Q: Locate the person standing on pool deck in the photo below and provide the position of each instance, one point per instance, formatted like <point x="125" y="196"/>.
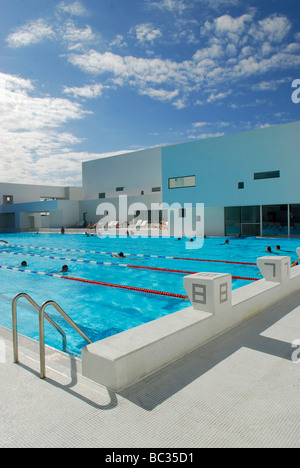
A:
<point x="62" y="230"/>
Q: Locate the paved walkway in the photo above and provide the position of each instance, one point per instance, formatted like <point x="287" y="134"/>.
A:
<point x="240" y="390"/>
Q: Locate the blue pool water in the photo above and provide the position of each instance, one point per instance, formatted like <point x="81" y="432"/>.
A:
<point x="102" y="311"/>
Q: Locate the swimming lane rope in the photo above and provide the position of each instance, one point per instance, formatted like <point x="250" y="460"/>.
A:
<point x="101" y="283"/>
<point x="132" y="255"/>
<point x="93" y="262"/>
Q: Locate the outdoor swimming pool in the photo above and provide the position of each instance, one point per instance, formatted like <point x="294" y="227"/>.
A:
<point x="102" y="310"/>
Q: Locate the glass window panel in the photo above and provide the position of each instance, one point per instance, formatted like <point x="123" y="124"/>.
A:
<point x="266" y="175"/>
<point x="295" y="220"/>
<point x="275" y="220"/>
<point x="233" y="220"/>
<point x="250" y="214"/>
<point x="182" y="182"/>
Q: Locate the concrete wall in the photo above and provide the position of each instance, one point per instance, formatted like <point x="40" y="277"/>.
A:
<point x="136" y="172"/>
<point x="28" y="215"/>
<point x="23" y="193"/>
<point x="214" y="222"/>
<point x="219" y="164"/>
<point x="90" y="206"/>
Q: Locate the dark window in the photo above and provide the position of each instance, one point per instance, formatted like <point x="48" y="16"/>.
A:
<point x="8" y="199"/>
<point x="142" y="192"/>
<point x="267" y="175"/>
<point x="232" y="220"/>
<point x="119" y="189"/>
<point x="101" y="195"/>
<point x="156" y="189"/>
<point x="275" y="220"/>
<point x="295" y="219"/>
<point x="241" y="185"/>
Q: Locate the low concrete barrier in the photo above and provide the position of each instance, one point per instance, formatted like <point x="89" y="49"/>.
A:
<point x="122" y="360"/>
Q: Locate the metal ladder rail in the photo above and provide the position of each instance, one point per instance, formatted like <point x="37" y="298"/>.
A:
<point x="42" y="315"/>
<point x="15" y="326"/>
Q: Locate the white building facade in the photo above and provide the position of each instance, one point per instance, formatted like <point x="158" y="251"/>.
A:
<point x="248" y="183"/>
<point x="32" y="207"/>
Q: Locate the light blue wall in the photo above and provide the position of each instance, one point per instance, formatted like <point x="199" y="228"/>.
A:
<point x="220" y="163"/>
<point x="33" y="207"/>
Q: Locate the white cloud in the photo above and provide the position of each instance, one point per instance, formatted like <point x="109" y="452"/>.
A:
<point x="74" y="9"/>
<point x="216" y="4"/>
<point x="170" y="5"/>
<point x="34" y="146"/>
<point x="271" y="85"/>
<point x="88" y="91"/>
<point x="31" y="33"/>
<point x="146" y="32"/>
<point x="274" y="28"/>
<point x="73" y="34"/>
<point x="200" y="124"/>
<point x="160" y="94"/>
<point x="218" y="96"/>
<point x="233" y="52"/>
<point x="226" y="24"/>
<point x="119" y="41"/>
<point x="203" y="136"/>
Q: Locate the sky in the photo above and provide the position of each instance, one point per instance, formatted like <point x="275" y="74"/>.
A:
<point x="85" y="79"/>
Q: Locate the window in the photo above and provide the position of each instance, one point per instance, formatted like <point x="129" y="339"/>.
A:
<point x="120" y="189"/>
<point x="182" y="182"/>
<point x="8" y="199"/>
<point x="232" y="220"/>
<point x="101" y="195"/>
<point x="142" y="192"/>
<point x="266" y="175"/>
<point x="275" y="220"/>
<point x="295" y="220"/>
<point x="241" y="185"/>
<point x="156" y="189"/>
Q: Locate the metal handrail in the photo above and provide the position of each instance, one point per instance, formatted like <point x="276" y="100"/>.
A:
<point x="15" y="327"/>
<point x="43" y="314"/>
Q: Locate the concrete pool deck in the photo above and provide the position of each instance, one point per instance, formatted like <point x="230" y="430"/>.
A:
<point x="239" y="390"/>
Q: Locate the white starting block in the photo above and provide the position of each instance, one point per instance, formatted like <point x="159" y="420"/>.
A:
<point x="275" y="269"/>
<point x="209" y="292"/>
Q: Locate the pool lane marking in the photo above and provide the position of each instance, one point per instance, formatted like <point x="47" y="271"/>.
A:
<point x="99" y="283"/>
<point x="132" y="255"/>
<point x="93" y="262"/>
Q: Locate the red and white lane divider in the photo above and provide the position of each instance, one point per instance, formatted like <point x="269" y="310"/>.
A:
<point x="100" y="283"/>
<point x="93" y="262"/>
<point x="131" y="254"/>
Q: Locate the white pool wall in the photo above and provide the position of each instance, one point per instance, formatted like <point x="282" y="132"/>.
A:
<point x="122" y="360"/>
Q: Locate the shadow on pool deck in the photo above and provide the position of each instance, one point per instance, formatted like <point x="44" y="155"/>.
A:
<point x="163" y="384"/>
<point x="168" y="381"/>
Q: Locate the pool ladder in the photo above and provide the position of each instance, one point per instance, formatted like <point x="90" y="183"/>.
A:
<point x="42" y="316"/>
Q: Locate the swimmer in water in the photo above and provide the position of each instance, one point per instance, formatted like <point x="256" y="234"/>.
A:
<point x="119" y="255"/>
